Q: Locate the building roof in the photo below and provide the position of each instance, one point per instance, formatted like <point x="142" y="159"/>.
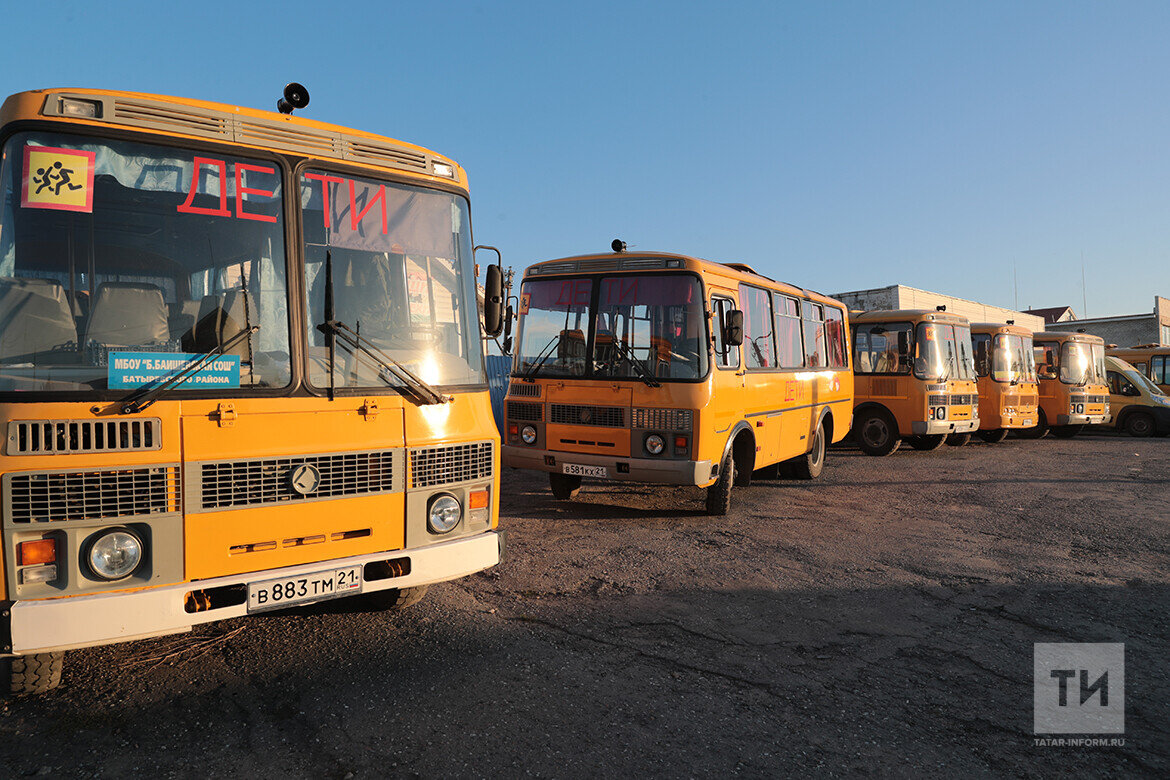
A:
<point x="1053" y="314"/>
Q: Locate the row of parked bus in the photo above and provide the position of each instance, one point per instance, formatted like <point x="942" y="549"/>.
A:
<point x="669" y="369"/>
<point x="242" y="369"/>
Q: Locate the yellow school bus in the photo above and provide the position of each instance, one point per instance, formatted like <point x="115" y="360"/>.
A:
<point x="241" y="368"/>
<point x="663" y="368"/>
<point x="914" y="379"/>
<point x="1152" y="360"/>
<point x="1006" y="369"/>
<point x="1070" y="368"/>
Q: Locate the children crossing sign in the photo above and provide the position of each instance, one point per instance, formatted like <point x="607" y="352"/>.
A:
<point x="60" y="179"/>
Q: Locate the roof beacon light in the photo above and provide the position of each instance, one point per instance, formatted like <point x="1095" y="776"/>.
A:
<point x="295" y="96"/>
<point x="618" y="245"/>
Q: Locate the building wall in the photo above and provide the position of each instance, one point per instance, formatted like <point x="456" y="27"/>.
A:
<point x="1129" y="330"/>
<point x="900" y="296"/>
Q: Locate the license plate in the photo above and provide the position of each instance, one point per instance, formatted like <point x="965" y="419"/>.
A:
<point x="1028" y="423"/>
<point x="584" y="471"/>
<point x="288" y="591"/>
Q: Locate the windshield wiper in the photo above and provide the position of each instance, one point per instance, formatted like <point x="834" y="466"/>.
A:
<point x="628" y="353"/>
<point x="544" y="354"/>
<point x="142" y="398"/>
<point x="422" y="391"/>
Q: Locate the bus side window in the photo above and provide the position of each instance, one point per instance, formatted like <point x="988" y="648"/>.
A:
<point x="813" y="315"/>
<point x="788" y="338"/>
<point x="835" y="337"/>
<point x="1158" y="372"/>
<point x="982" y="353"/>
<point x="758" y="343"/>
<point x="726" y="355"/>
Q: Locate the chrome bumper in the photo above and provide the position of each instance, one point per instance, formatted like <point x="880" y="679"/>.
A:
<point x="931" y="427"/>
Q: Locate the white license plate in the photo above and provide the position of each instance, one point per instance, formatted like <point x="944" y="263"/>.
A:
<point x="584" y="471"/>
<point x="288" y="591"/>
<point x="1028" y="423"/>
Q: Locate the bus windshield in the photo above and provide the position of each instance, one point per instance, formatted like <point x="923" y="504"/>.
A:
<point x="1012" y="359"/>
<point x="122" y="262"/>
<point x="402" y="279"/>
<point x="1082" y="363"/>
<point x="620" y="327"/>
<point x="943" y="352"/>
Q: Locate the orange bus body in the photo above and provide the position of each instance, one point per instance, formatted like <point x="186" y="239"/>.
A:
<point x="1073" y="390"/>
<point x="1008" y="391"/>
<point x="1153" y="361"/>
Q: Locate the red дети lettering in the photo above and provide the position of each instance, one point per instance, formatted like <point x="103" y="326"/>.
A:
<point x="325" y="182"/>
<point x="241" y="190"/>
<point x="222" y="211"/>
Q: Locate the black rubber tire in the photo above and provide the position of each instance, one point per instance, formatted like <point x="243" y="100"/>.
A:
<point x="958" y="439"/>
<point x="394" y="598"/>
<point x="37" y="673"/>
<point x="719" y="494"/>
<point x="812" y="463"/>
<point x="1066" y="431"/>
<point x="927" y="442"/>
<point x="1037" y="431"/>
<point x="876" y="432"/>
<point x="993" y="436"/>
<point x="565" y="487"/>
<point x="1139" y="424"/>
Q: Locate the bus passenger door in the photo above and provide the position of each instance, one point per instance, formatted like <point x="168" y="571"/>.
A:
<point x="727" y="377"/>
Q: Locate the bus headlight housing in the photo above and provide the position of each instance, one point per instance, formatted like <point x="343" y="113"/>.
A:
<point x="114" y="555"/>
<point x="444" y="513"/>
<point x="654" y="444"/>
<point x="528" y="435"/>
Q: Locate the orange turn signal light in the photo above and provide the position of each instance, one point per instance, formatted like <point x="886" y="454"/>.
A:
<point x="479" y="499"/>
<point x="39" y="551"/>
<point x="680" y="442"/>
<point x="514" y="429"/>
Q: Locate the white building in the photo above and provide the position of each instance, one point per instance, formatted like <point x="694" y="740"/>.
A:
<point x="899" y="296"/>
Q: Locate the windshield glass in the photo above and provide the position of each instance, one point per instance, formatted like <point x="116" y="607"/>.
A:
<point x="643" y="326"/>
<point x="1141" y="379"/>
<point x="937" y="356"/>
<point x="1012" y="359"/>
<point x="1082" y="363"/>
<point x="402" y="279"/>
<point x="121" y="262"/>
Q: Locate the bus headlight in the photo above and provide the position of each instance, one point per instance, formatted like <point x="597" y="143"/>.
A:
<point x="115" y="554"/>
<point x="444" y="513"/>
<point x="654" y="444"/>
<point x="528" y="435"/>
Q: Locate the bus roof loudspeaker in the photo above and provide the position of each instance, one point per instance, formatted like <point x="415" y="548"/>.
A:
<point x="295" y="96"/>
<point x="941" y="307"/>
<point x="618" y="245"/>
<point x="1011" y="322"/>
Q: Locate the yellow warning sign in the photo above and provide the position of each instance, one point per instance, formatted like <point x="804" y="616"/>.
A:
<point x="59" y="179"/>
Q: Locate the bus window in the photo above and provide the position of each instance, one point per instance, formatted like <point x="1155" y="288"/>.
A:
<point x="726" y="356"/>
<point x="759" y="346"/>
<point x="1160" y="370"/>
<point x="788" y="339"/>
<point x="813" y="316"/>
<point x="553" y="310"/>
<point x="835" y="337"/>
<point x="656" y="321"/>
<point x="983" y="361"/>
<point x="882" y="348"/>
<point x="965" y="362"/>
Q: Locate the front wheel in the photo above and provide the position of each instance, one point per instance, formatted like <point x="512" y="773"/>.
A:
<point x="958" y="439"/>
<point x="1139" y="424"/>
<point x="1066" y="431"/>
<point x="877" y="433"/>
<point x="927" y="442"/>
<point x="565" y="487"/>
<point x="719" y="494"/>
<point x="812" y="463"/>
<point x="994" y="436"/>
<point x="37" y="673"/>
<point x="1037" y="431"/>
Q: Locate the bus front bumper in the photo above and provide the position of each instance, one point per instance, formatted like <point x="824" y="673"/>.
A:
<point x="653" y="470"/>
<point x="932" y="427"/>
<point x="1081" y="419"/>
<point x="65" y="623"/>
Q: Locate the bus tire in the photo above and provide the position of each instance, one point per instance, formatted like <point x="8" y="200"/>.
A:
<point x="37" y="673"/>
<point x="812" y="463"/>
<point x="394" y="598"/>
<point x="1139" y="424"/>
<point x="877" y="433"/>
<point x="958" y="439"/>
<point x="565" y="487"/>
<point x="994" y="436"/>
<point x="719" y="494"/>
<point x="1066" y="431"/>
<point x="927" y="442"/>
<point x="1037" y="431"/>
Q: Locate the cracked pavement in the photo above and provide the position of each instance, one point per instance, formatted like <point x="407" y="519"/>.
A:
<point x="879" y="620"/>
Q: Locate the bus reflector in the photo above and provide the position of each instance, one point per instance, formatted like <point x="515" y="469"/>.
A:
<point x="39" y="551"/>
<point x="479" y="499"/>
<point x="680" y="442"/>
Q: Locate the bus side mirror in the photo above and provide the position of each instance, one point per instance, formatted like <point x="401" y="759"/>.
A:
<point x="493" y="301"/>
<point x="509" y="315"/>
<point x="733" y="329"/>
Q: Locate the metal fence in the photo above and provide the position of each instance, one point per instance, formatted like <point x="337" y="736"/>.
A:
<point x="498" y="368"/>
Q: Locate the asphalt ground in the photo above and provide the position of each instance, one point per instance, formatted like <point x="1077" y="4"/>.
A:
<point x="877" y="621"/>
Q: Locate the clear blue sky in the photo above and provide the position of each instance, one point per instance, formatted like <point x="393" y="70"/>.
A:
<point x="837" y="145"/>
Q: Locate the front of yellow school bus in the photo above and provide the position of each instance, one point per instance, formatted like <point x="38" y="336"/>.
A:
<point x="240" y="368"/>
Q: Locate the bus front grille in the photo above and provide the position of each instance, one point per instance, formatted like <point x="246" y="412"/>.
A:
<point x="963" y="400"/>
<point x="524" y="390"/>
<point x="574" y="414"/>
<point x="237" y="483"/>
<point x="1088" y="399"/>
<point x="448" y="465"/>
<point x="525" y="412"/>
<point x="60" y="437"/>
<point x="97" y="494"/>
